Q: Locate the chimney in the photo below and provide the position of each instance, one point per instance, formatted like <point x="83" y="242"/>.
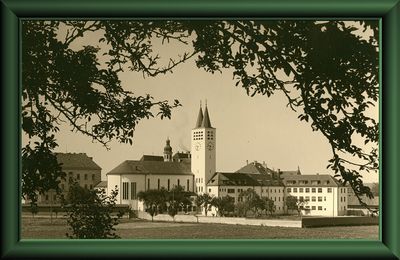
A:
<point x="247" y="162"/>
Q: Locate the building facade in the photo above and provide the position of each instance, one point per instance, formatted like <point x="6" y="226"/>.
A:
<point x="322" y="194"/>
<point x="150" y="173"/>
<point x="78" y="167"/>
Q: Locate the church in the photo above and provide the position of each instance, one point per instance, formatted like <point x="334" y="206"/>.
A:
<point x="195" y="171"/>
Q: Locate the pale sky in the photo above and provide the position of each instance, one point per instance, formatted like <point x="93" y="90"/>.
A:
<point x="248" y="128"/>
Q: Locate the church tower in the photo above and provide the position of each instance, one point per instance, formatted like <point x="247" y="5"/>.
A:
<point x="167" y="151"/>
<point x="203" y="150"/>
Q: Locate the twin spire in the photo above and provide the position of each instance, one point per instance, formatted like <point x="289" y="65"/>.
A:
<point x="203" y="120"/>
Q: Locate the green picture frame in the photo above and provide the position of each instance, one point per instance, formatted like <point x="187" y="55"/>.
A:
<point x="388" y="11"/>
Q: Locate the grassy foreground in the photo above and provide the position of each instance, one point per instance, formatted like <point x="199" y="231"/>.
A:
<point x="141" y="229"/>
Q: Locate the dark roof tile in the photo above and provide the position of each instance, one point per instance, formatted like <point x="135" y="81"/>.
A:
<point x="76" y="161"/>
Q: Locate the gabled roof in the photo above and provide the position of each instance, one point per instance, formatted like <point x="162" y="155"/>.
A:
<point x="266" y="180"/>
<point x="152" y="158"/>
<point x="255" y="168"/>
<point x="320" y="180"/>
<point x="181" y="155"/>
<point x="76" y="161"/>
<point x="284" y="174"/>
<point x="231" y="179"/>
<point x="152" y="167"/>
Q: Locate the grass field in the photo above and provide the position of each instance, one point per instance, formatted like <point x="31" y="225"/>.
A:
<point x="140" y="229"/>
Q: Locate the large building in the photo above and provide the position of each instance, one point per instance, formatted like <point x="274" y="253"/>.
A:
<point x="150" y="172"/>
<point x="79" y="168"/>
<point x="196" y="172"/>
<point x="322" y="194"/>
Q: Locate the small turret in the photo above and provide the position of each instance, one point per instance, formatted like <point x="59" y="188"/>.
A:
<point x="167" y="151"/>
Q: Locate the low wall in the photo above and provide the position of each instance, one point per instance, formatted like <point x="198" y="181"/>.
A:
<point x="339" y="221"/>
<point x="222" y="220"/>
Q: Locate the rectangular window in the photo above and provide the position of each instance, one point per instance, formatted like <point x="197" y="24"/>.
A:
<point x="148" y="184"/>
<point x="179" y="182"/>
<point x="125" y="190"/>
<point x="231" y="190"/>
<point x="209" y="190"/>
<point x="324" y="198"/>
<point x="301" y="190"/>
<point x="307" y="198"/>
<point x="319" y="190"/>
<point x="344" y="199"/>
<point x="93" y="177"/>
<point x="319" y="207"/>
<point x="313" y="198"/>
<point x="319" y="198"/>
<point x="91" y="186"/>
<point x="340" y="199"/>
<point x="329" y="190"/>
<point x="187" y="184"/>
<point x="294" y="189"/>
<point x="289" y="189"/>
<point x="313" y="207"/>
<point x="78" y="176"/>
<point x="85" y="176"/>
<point x="133" y="190"/>
<point x="313" y="190"/>
<point x="307" y="189"/>
<point x="168" y="184"/>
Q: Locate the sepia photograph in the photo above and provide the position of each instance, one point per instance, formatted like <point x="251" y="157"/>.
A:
<point x="200" y="129"/>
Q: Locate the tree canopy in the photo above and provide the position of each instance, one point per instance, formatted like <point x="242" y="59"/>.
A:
<point x="327" y="70"/>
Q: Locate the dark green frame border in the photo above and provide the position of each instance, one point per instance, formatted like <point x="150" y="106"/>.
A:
<point x="386" y="10"/>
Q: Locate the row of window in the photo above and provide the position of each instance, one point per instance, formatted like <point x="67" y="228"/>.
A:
<point x="199" y="180"/>
<point x="85" y="176"/>
<point x="313" y="190"/>
<point x="304" y="182"/>
<point x="178" y="183"/>
<point x="240" y="190"/>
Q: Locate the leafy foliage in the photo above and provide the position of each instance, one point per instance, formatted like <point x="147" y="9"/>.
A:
<point x="63" y="85"/>
<point x="204" y="200"/>
<point x="252" y="201"/>
<point x="89" y="213"/>
<point x="157" y="201"/>
<point x="177" y="198"/>
<point x="223" y="205"/>
<point x="269" y="205"/>
<point x="154" y="200"/>
<point x="293" y="203"/>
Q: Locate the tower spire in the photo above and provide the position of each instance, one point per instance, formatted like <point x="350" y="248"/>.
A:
<point x="206" y="119"/>
<point x="199" y="117"/>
